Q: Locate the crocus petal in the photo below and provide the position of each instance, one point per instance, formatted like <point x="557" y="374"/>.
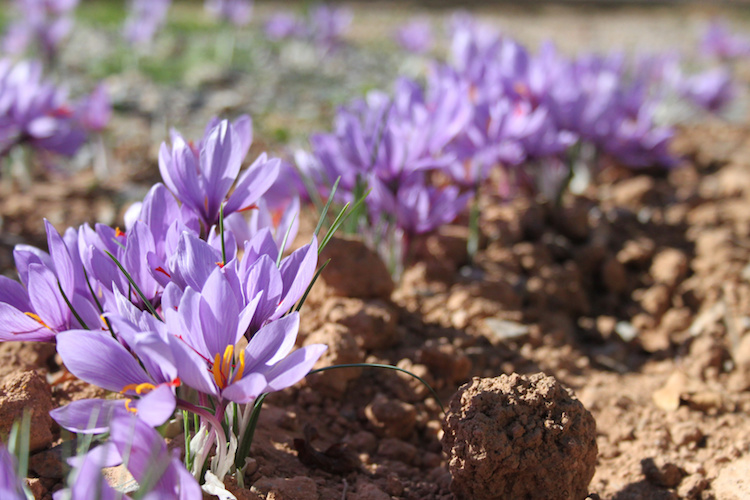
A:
<point x="15" y="325"/>
<point x="251" y="185"/>
<point x="45" y="297"/>
<point x="246" y="389"/>
<point x="272" y="342"/>
<point x="294" y="367"/>
<point x="220" y="162"/>
<point x="14" y="294"/>
<point x="297" y="271"/>
<point x="88" y="416"/>
<point x="156" y="407"/>
<point x="218" y="313"/>
<point x="61" y="258"/>
<point x="192" y="369"/>
<point x="99" y="359"/>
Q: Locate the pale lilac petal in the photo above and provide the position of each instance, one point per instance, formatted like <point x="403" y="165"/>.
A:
<point x="156" y="407"/>
<point x="61" y="258"/>
<point x="251" y="185"/>
<point x="246" y="389"/>
<point x="24" y="256"/>
<point x="14" y="294"/>
<point x="192" y="369"/>
<point x="218" y="313"/>
<point x="220" y="162"/>
<point x="15" y="325"/>
<point x="272" y="342"/>
<point x="44" y="295"/>
<point x="294" y="367"/>
<point x="98" y="359"/>
<point x="297" y="272"/>
<point x="88" y="416"/>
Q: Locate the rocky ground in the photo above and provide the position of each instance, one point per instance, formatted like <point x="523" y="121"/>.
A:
<point x="635" y="294"/>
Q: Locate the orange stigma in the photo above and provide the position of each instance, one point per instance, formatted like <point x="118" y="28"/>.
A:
<point x="37" y="319"/>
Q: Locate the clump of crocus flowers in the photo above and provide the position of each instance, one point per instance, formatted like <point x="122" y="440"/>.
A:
<point x="537" y="119"/>
<point x="36" y="113"/>
<point x="190" y="306"/>
<point x="323" y="25"/>
<point x="41" y="25"/>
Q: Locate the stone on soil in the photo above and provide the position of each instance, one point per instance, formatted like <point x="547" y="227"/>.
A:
<point x="517" y="436"/>
<point x="27" y="390"/>
<point x="355" y="271"/>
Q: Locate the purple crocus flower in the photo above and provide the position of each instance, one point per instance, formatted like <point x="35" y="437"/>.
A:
<point x="201" y="176"/>
<point x="37" y="308"/>
<point x="11" y="486"/>
<point x="415" y="36"/>
<point x="720" y="43"/>
<point x="145" y="18"/>
<point x="207" y="325"/>
<point x="712" y="90"/>
<point x="44" y="22"/>
<point x="237" y="12"/>
<point x="35" y="111"/>
<point x="158" y="472"/>
<point x="416" y="207"/>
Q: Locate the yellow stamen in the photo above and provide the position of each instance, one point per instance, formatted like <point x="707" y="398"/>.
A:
<point x="37" y="319"/>
<point x="140" y="388"/>
<point x="240" y="369"/>
<point x="226" y="364"/>
<point x="127" y="406"/>
<point x="216" y="369"/>
<point x="129" y="387"/>
<point x="119" y="232"/>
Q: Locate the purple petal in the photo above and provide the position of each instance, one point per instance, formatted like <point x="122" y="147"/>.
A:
<point x="14" y="294"/>
<point x="218" y="313"/>
<point x="15" y="325"/>
<point x="246" y="389"/>
<point x="272" y="342"/>
<point x="220" y="162"/>
<point x="297" y="271"/>
<point x="294" y="367"/>
<point x="98" y="359"/>
<point x="192" y="369"/>
<point x="156" y="407"/>
<point x="44" y="295"/>
<point x="88" y="416"/>
<point x="251" y="185"/>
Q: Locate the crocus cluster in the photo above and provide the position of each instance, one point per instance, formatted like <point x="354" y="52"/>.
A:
<point x="237" y="12"/>
<point x="719" y="42"/>
<point x="37" y="113"/>
<point x="191" y="297"/>
<point x="323" y="25"/>
<point x="43" y="24"/>
<point x="145" y="18"/>
<point x="496" y="106"/>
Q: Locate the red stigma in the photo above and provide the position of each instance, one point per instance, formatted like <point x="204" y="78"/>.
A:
<point x="161" y="270"/>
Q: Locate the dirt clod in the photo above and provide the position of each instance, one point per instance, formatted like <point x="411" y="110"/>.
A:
<point x="519" y="437"/>
<point x="27" y="391"/>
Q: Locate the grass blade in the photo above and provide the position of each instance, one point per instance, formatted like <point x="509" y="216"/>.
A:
<point x="146" y="302"/>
